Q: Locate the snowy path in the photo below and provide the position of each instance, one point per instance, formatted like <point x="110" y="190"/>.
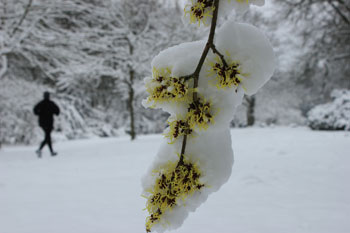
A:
<point x="284" y="181"/>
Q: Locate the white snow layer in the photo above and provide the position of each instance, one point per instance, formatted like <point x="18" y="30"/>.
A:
<point x="211" y="148"/>
<point x="297" y="185"/>
<point x="239" y="6"/>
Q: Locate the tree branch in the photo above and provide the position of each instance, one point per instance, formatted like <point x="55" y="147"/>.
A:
<point x="23" y="17"/>
<point x="339" y="12"/>
<point x="344" y="4"/>
<point x="195" y="75"/>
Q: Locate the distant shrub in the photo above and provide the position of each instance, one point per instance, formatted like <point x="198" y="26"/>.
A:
<point x="332" y="116"/>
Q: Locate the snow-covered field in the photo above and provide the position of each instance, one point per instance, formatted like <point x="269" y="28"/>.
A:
<point x="285" y="180"/>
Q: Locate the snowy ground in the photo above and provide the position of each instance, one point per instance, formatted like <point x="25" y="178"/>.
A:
<point x="285" y="180"/>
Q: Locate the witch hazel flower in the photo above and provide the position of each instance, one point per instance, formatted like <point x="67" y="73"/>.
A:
<point x="174" y="183"/>
<point x="200" y="12"/>
<point x="199" y="117"/>
<point x="249" y="58"/>
<point x="177" y="128"/>
<point x="173" y="64"/>
<point x="228" y="73"/>
<point x="197" y="11"/>
<point x="200" y="114"/>
<point x="164" y="87"/>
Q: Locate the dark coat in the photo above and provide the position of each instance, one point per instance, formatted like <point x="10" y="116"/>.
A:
<point x="45" y="109"/>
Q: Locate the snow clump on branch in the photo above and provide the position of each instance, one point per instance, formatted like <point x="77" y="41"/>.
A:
<point x="196" y="156"/>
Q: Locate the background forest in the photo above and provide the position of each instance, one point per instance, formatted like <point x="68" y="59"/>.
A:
<point x="93" y="55"/>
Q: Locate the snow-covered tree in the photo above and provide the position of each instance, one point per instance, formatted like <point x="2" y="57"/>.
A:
<point x="92" y="53"/>
<point x="334" y="115"/>
<point x="14" y="28"/>
<point x="322" y="27"/>
<point x="145" y="33"/>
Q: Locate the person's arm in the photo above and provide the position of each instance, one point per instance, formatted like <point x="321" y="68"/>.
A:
<point x="36" y="109"/>
<point x="56" y="109"/>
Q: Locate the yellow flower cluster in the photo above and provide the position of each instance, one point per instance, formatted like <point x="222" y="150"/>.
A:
<point x="228" y="75"/>
<point x="178" y="128"/>
<point x="200" y="10"/>
<point x="200" y="114"/>
<point x="175" y="182"/>
<point x="165" y="87"/>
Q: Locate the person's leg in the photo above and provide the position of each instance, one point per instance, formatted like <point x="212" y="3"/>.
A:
<point x="49" y="142"/>
<point x="42" y="144"/>
<point x="48" y="138"/>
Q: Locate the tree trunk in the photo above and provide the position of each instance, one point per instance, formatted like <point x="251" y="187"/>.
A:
<point x="250" y="110"/>
<point x="131" y="106"/>
<point x="130" y="83"/>
<point x="3" y="65"/>
<point x="178" y="7"/>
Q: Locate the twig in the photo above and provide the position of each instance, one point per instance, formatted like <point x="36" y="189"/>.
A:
<point x="219" y="54"/>
<point x="23" y="17"/>
<point x="346" y="20"/>
<point x="195" y="75"/>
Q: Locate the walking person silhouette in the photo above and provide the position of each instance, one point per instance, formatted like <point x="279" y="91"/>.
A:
<point x="45" y="110"/>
